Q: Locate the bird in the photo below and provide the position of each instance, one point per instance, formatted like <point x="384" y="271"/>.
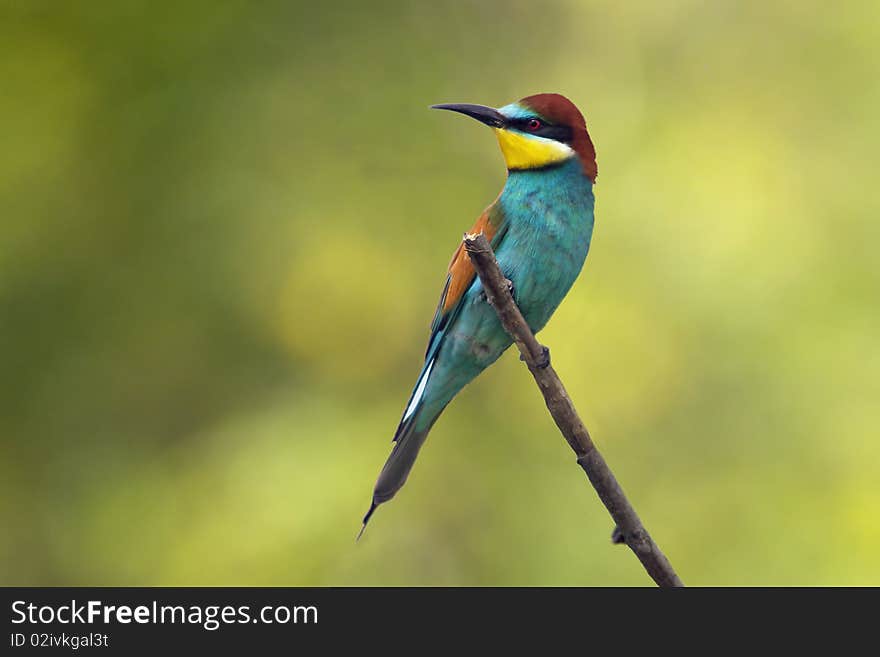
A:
<point x="540" y="227"/>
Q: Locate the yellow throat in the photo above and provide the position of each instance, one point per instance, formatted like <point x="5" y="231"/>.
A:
<point x="527" y="152"/>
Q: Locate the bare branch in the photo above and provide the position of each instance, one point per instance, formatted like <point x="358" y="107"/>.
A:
<point x="629" y="527"/>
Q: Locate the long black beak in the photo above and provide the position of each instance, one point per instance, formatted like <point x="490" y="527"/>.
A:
<point x="489" y="116"/>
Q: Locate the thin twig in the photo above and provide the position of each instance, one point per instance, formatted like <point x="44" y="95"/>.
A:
<point x="629" y="527"/>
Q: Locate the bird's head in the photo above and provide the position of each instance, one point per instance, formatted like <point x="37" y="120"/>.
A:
<point x="536" y="132"/>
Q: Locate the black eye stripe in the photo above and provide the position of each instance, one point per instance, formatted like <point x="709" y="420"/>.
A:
<point x="556" y="132"/>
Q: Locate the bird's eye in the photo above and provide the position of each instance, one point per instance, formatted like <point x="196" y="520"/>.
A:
<point x="533" y="124"/>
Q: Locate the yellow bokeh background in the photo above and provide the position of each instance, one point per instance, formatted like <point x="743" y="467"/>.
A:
<point x="223" y="232"/>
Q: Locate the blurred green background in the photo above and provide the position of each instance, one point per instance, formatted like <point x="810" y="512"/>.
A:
<point x="223" y="232"/>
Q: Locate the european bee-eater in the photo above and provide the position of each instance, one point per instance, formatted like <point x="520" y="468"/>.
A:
<point x="539" y="227"/>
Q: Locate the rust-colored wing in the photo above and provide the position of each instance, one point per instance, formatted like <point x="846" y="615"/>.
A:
<point x="461" y="272"/>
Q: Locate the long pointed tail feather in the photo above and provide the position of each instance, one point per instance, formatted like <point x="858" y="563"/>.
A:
<point x="373" y="507"/>
<point x="407" y="444"/>
<point x="408" y="440"/>
<point x="422" y="410"/>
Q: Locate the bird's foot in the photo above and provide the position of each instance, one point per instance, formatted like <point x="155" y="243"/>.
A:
<point x="510" y="288"/>
<point x="617" y="536"/>
<point x="544" y="361"/>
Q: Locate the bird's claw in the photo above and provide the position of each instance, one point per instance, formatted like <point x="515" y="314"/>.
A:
<point x="543" y="362"/>
<point x="510" y="288"/>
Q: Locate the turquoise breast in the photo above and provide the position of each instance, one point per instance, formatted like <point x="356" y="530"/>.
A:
<point x="550" y="224"/>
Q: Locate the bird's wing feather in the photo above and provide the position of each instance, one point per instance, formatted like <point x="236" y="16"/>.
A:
<point x="459" y="277"/>
<point x="411" y="432"/>
<point x="461" y="272"/>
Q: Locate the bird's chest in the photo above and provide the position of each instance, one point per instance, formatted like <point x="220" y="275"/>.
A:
<point x="548" y="238"/>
